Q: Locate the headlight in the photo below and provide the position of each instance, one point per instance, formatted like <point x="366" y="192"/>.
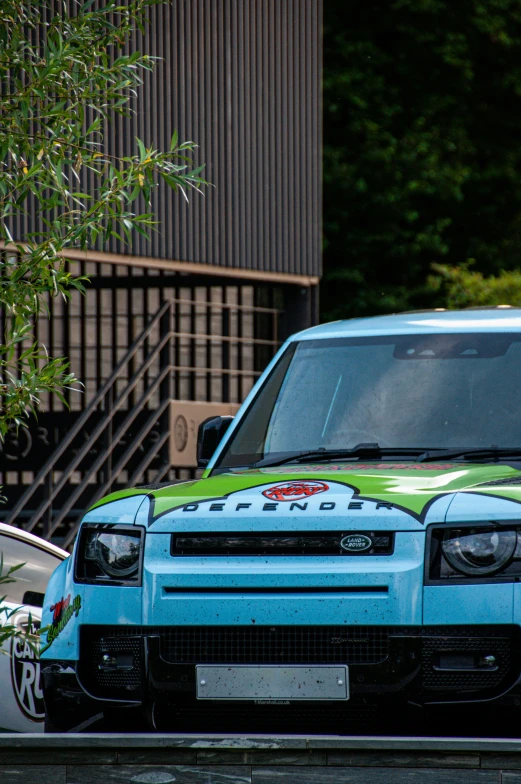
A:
<point x="109" y="553"/>
<point x="117" y="554"/>
<point x="475" y="552"/>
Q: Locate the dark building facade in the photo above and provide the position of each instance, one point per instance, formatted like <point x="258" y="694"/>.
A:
<point x="178" y="327"/>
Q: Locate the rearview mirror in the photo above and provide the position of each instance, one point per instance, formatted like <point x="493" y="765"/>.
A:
<point x="208" y="437"/>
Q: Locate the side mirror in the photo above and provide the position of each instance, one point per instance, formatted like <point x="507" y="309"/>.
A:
<point x="33" y="598"/>
<point x="208" y="437"/>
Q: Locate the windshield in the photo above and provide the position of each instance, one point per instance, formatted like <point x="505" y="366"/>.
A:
<point x="417" y="391"/>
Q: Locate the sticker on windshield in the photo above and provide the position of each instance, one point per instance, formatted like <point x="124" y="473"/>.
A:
<point x="294" y="491"/>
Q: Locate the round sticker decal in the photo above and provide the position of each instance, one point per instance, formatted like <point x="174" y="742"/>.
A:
<point x="25" y="675"/>
<point x="294" y="491"/>
<point x="180" y="433"/>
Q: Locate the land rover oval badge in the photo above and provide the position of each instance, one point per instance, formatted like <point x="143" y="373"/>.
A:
<point x="355" y="543"/>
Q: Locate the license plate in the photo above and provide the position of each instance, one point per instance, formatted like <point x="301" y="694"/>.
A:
<point x="251" y="682"/>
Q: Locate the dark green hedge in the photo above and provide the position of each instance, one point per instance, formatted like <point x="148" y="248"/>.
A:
<point x="422" y="160"/>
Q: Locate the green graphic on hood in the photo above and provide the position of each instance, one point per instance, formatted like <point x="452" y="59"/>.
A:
<point x="409" y="486"/>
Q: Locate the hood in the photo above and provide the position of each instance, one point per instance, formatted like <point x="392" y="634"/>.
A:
<point x="396" y="496"/>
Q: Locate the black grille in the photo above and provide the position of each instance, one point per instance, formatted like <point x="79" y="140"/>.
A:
<point x="435" y="678"/>
<point x="282" y="543"/>
<point x="267" y="645"/>
<point x="263" y="644"/>
<point x="352" y="645"/>
<point x="118" y="678"/>
<point x="116" y="682"/>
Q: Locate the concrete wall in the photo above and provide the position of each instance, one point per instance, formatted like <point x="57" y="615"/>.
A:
<point x="165" y="759"/>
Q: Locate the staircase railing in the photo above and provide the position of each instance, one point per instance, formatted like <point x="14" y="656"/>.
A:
<point x="168" y="354"/>
<point x="111" y="402"/>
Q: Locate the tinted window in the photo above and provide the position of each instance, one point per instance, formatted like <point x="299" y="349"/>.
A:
<point x="428" y="391"/>
<point x="39" y="565"/>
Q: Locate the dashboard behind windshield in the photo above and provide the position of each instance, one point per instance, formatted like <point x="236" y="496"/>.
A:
<point x="406" y="391"/>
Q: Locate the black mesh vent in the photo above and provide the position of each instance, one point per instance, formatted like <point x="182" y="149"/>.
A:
<point x="122" y="678"/>
<point x="114" y="682"/>
<point x="263" y="644"/>
<point x="268" y="645"/>
<point x="438" y="679"/>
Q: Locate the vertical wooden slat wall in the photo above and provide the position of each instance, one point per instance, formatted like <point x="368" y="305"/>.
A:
<point x="242" y="79"/>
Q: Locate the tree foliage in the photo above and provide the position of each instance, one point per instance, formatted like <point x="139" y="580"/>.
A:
<point x="65" y="72"/>
<point x="463" y="287"/>
<point x="422" y="159"/>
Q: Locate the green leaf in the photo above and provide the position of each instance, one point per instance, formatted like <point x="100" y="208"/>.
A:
<point x="142" y="150"/>
<point x="66" y="72"/>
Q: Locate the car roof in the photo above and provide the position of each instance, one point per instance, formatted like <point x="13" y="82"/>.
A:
<point x="502" y="318"/>
<point x="37" y="541"/>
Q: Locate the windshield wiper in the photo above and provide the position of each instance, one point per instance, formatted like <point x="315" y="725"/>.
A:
<point x="476" y="451"/>
<point x="369" y="451"/>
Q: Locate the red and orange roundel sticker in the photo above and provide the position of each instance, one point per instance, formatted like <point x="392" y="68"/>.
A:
<point x="294" y="491"/>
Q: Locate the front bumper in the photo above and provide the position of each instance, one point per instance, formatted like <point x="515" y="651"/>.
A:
<point x="155" y="666"/>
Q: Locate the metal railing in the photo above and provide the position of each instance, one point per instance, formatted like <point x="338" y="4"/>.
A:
<point x="136" y="394"/>
<point x="109" y="402"/>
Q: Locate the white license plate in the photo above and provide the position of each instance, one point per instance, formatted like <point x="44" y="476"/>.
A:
<point x="272" y="682"/>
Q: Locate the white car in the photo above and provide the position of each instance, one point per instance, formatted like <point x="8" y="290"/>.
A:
<point x="21" y="698"/>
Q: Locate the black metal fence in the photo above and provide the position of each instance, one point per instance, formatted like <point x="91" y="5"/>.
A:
<point x="137" y="341"/>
